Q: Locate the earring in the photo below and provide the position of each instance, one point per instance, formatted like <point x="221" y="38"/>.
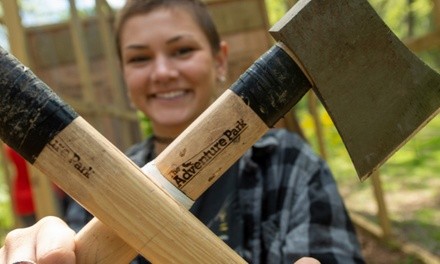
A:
<point x="221" y="79"/>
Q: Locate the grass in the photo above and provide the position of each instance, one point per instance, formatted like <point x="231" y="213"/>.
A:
<point x="6" y="217"/>
<point x="409" y="179"/>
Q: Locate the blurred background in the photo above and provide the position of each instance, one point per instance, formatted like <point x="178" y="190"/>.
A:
<point x="69" y="45"/>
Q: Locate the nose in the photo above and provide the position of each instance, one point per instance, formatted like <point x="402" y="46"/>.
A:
<point x="164" y="70"/>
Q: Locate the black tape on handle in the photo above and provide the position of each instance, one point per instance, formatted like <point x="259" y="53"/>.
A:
<point x="272" y="85"/>
<point x="31" y="114"/>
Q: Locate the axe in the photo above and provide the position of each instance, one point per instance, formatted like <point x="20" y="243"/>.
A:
<point x="345" y="52"/>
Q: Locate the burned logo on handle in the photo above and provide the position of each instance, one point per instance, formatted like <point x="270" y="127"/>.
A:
<point x="71" y="157"/>
<point x="185" y="172"/>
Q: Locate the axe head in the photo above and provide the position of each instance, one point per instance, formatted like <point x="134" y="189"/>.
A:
<point x="376" y="91"/>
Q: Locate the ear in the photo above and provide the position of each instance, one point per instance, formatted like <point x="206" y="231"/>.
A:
<point x="222" y="60"/>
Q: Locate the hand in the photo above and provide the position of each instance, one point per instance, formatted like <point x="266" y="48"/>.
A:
<point x="307" y="261"/>
<point x="50" y="240"/>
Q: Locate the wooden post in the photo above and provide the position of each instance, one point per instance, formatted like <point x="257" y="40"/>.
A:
<point x="45" y="199"/>
<point x="17" y="36"/>
<point x="103" y="12"/>
<point x="313" y="110"/>
<point x="80" y="50"/>
<point x="82" y="59"/>
<point x="382" y="212"/>
<point x="291" y="123"/>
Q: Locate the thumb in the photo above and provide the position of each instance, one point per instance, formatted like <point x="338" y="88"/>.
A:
<point x="307" y="260"/>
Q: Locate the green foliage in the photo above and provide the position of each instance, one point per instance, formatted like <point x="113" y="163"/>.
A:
<point x="6" y="217"/>
<point x="145" y="124"/>
<point x="276" y="9"/>
<point x="395" y="13"/>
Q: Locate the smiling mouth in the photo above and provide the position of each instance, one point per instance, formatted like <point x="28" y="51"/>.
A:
<point x="170" y="95"/>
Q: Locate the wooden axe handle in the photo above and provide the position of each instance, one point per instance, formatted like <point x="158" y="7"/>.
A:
<point x="51" y="136"/>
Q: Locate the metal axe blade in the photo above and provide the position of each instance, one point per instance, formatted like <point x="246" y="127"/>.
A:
<point x="377" y="92"/>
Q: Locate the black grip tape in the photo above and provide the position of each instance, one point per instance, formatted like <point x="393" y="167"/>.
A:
<point x="31" y="114"/>
<point x="272" y="85"/>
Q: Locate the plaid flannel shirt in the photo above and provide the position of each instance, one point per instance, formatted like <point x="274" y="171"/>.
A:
<point x="278" y="203"/>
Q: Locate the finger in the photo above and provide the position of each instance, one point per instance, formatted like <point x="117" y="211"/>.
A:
<point x="19" y="245"/>
<point x="307" y="260"/>
<point x="56" y="243"/>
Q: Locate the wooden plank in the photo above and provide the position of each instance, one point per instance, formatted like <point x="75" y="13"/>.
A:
<point x="45" y="200"/>
<point x="382" y="211"/>
<point x="426" y="42"/>
<point x="17" y="36"/>
<point x="291" y="123"/>
<point x="236" y="16"/>
<point x="49" y="43"/>
<point x="245" y="48"/>
<point x="81" y="56"/>
<point x="102" y="110"/>
<point x="313" y="110"/>
<point x="104" y="14"/>
<point x="264" y="15"/>
<point x="82" y="60"/>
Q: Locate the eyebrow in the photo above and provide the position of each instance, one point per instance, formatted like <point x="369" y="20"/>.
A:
<point x="170" y="41"/>
<point x="179" y="37"/>
<point x="137" y="46"/>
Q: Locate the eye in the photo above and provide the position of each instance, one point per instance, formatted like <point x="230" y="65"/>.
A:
<point x="138" y="59"/>
<point x="183" y="51"/>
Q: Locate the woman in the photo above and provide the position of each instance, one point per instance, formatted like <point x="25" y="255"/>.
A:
<point x="277" y="204"/>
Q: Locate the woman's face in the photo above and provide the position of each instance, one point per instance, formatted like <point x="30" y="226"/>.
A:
<point x="169" y="68"/>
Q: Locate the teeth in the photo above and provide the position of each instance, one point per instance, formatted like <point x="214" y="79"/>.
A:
<point x="170" y="95"/>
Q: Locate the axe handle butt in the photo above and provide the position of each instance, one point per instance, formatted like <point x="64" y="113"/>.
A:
<point x="31" y="114"/>
<point x="97" y="243"/>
